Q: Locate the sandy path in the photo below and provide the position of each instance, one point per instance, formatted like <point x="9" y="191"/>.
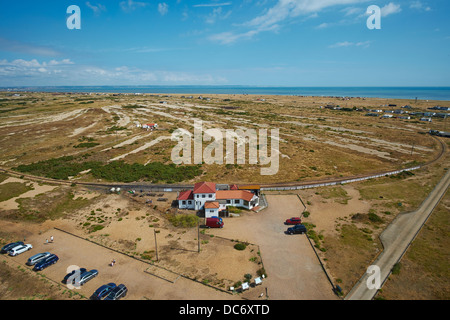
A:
<point x="142" y="148"/>
<point x="11" y="204"/>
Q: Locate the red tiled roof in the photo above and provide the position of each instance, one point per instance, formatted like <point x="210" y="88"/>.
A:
<point x="186" y="195"/>
<point x="205" y="187"/>
<point x="212" y="205"/>
<point x="234" y="194"/>
<point x="233" y="187"/>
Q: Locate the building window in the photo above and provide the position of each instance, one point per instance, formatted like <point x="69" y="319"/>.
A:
<point x="203" y="195"/>
<point x="237" y="201"/>
<point x="228" y="201"/>
<point x="183" y="202"/>
<point x="189" y="202"/>
<point x="209" y="195"/>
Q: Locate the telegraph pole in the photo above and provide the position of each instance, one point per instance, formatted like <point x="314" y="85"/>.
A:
<point x="156" y="246"/>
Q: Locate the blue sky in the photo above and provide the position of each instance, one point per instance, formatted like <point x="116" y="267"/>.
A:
<point x="225" y="42"/>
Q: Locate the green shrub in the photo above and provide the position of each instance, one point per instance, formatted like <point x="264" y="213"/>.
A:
<point x="240" y="246"/>
<point x="374" y="217"/>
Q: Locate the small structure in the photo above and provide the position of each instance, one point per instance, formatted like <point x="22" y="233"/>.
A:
<point x="150" y="126"/>
<point x="245" y="286"/>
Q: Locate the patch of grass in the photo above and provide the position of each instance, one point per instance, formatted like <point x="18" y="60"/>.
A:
<point x="183" y="220"/>
<point x="374" y="217"/>
<point x="13" y="189"/>
<point x="117" y="171"/>
<point x="87" y="145"/>
<point x="338" y="194"/>
<point x="53" y="205"/>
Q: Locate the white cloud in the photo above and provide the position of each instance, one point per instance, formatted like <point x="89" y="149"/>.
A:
<point x="419" y="6"/>
<point x="212" y="4"/>
<point x="284" y="10"/>
<point x="96" y="8"/>
<point x="131" y="5"/>
<point x="21" y="72"/>
<point x="389" y="9"/>
<point x="163" y="8"/>
<point x="216" y="14"/>
<point x="364" y="44"/>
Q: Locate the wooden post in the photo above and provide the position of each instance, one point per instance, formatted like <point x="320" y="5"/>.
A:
<point x="156" y="246"/>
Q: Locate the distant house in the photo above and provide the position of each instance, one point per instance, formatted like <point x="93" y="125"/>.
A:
<point x="385" y="116"/>
<point x="150" y="126"/>
<point x="426" y="119"/>
<point x="206" y="197"/>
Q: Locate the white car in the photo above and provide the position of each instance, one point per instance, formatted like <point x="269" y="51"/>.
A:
<point x="20" y="249"/>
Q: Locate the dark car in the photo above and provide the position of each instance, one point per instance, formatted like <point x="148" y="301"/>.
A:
<point x="298" y="228"/>
<point x="66" y="278"/>
<point x="86" y="276"/>
<point x="117" y="293"/>
<point x="52" y="259"/>
<point x="293" y="221"/>
<point x="9" y="246"/>
<point x="103" y="291"/>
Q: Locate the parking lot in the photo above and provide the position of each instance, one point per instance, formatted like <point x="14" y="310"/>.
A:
<point x="72" y="250"/>
<point x="294" y="272"/>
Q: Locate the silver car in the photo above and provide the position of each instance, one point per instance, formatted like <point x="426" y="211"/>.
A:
<point x="37" y="257"/>
<point x="86" y="276"/>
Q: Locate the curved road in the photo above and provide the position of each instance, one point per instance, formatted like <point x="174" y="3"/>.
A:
<point x="396" y="239"/>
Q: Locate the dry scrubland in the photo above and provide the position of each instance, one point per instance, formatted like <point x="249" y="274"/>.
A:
<point x="315" y="143"/>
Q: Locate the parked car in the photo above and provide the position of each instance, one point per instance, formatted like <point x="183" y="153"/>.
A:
<point x="298" y="228"/>
<point x="36" y="258"/>
<point x="293" y="221"/>
<point x="117" y="293"/>
<point x="103" y="291"/>
<point x="67" y="276"/>
<point x="86" y="276"/>
<point x="214" y="223"/>
<point x="20" y="249"/>
<point x="52" y="259"/>
<point x="9" y="246"/>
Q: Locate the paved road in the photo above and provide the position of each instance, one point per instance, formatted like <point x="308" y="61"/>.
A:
<point x="396" y="239"/>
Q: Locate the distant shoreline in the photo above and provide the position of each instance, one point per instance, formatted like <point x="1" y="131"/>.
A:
<point x="408" y="93"/>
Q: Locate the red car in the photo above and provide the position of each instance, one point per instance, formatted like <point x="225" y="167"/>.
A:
<point x="293" y="221"/>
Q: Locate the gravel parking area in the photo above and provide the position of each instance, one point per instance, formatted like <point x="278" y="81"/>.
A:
<point x="294" y="272"/>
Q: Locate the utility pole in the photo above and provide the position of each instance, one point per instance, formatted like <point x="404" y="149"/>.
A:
<point x="198" y="236"/>
<point x="156" y="246"/>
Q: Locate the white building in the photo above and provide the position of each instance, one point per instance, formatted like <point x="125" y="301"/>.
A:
<point x="206" y="197"/>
